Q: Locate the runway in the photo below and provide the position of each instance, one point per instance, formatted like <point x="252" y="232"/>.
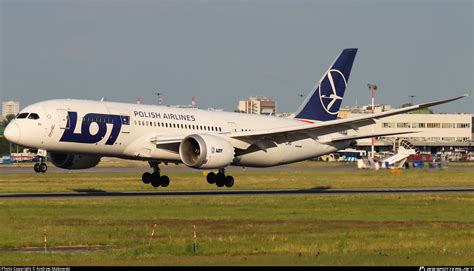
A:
<point x="175" y="169"/>
<point x="315" y="192"/>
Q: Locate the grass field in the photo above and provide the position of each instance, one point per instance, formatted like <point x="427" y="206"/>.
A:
<point x="304" y="179"/>
<point x="408" y="229"/>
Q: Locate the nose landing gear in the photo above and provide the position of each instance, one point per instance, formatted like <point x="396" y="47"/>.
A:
<point x="220" y="179"/>
<point x="41" y="167"/>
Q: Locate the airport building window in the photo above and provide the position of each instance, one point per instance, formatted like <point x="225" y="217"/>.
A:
<point x="433" y="125"/>
<point x="463" y="125"/>
<point x="403" y="125"/>
<point x="447" y="125"/>
<point x="388" y="125"/>
<point x="418" y="125"/>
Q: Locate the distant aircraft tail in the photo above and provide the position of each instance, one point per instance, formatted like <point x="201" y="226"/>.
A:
<point x="324" y="101"/>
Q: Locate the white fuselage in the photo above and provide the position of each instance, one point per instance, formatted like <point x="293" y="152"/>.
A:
<point x="126" y="131"/>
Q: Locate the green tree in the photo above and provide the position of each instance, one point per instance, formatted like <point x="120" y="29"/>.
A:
<point x="7" y="120"/>
<point x="4" y="144"/>
<point x="419" y="111"/>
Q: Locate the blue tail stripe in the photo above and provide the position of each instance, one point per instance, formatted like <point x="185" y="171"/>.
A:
<point x="325" y="100"/>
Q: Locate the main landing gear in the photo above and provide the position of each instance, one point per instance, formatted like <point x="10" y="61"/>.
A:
<point x="220" y="179"/>
<point x="155" y="178"/>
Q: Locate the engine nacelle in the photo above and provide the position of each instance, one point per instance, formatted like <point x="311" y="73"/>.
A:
<point x="206" y="151"/>
<point x="74" y="161"/>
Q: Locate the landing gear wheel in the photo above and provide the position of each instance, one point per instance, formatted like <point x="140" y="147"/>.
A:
<point x="211" y="177"/>
<point x="220" y="179"/>
<point x="43" y="167"/>
<point x="155" y="179"/>
<point x="165" y="181"/>
<point x="229" y="181"/>
<point x="36" y="168"/>
<point x="146" y="177"/>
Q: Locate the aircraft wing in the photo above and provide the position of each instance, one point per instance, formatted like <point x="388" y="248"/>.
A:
<point x="243" y="140"/>
<point x="332" y="126"/>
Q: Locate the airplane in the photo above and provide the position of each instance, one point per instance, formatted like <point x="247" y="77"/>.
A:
<point x="76" y="134"/>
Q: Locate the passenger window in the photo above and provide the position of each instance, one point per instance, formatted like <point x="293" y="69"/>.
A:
<point x="22" y="116"/>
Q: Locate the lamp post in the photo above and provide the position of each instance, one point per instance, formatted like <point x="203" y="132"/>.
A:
<point x="372" y="87"/>
<point x="159" y="98"/>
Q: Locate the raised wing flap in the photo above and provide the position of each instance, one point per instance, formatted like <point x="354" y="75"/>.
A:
<point x="355" y="137"/>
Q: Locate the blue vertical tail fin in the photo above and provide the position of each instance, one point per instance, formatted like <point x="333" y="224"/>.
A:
<point x="324" y="101"/>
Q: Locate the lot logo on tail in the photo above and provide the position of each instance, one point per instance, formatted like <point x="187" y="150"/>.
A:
<point x="330" y="93"/>
<point x="324" y="101"/>
<point x="102" y="120"/>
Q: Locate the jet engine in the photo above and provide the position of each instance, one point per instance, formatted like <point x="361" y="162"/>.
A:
<point x="206" y="151"/>
<point x="74" y="161"/>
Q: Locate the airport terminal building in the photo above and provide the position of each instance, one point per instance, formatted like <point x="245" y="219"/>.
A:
<point x="435" y="132"/>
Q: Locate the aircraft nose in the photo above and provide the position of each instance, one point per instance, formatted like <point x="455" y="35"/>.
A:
<point x="12" y="132"/>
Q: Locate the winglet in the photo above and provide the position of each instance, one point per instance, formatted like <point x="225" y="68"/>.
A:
<point x="424" y="105"/>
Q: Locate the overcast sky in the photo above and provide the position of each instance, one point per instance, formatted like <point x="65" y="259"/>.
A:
<point x="224" y="51"/>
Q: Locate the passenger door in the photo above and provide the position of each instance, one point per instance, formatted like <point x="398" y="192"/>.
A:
<point x="63" y="119"/>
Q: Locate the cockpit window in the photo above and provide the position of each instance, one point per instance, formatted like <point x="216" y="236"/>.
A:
<point x="22" y="116"/>
<point x="33" y="116"/>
